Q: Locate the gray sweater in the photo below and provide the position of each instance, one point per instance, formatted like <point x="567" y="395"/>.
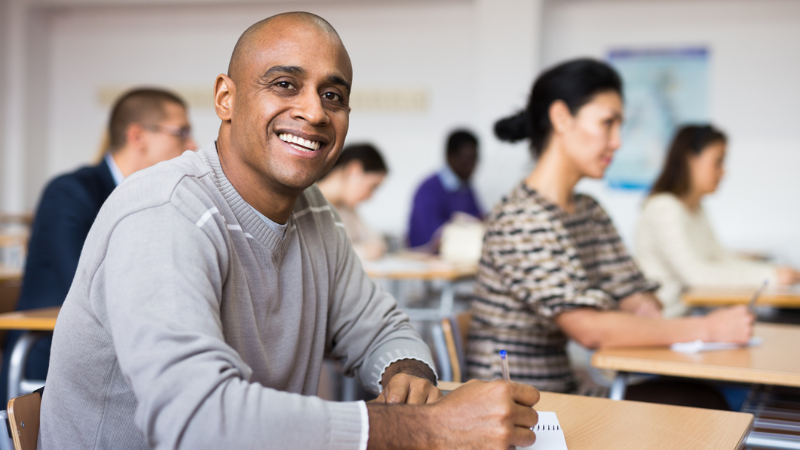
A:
<point x="191" y="324"/>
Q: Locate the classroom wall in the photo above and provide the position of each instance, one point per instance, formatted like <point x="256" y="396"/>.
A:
<point x="449" y="51"/>
<point x="755" y="65"/>
<point x="3" y="60"/>
<point x="472" y="61"/>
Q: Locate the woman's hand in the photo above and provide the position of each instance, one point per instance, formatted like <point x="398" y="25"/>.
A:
<point x="787" y="276"/>
<point x="733" y="324"/>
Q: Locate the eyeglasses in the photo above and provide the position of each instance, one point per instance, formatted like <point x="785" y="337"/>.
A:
<point x="182" y="133"/>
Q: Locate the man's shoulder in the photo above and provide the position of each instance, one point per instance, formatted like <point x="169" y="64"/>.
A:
<point x="185" y="179"/>
<point x="82" y="179"/>
<point x="430" y="185"/>
<point x="86" y="187"/>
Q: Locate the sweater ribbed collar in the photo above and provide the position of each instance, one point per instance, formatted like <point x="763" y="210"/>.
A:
<point x="244" y="213"/>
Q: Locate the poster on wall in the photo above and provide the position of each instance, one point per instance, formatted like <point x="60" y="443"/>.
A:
<point x="663" y="88"/>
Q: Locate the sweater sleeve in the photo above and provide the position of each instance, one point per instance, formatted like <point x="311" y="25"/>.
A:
<point x="538" y="269"/>
<point x="161" y="285"/>
<point x="366" y="329"/>
<point x="668" y="222"/>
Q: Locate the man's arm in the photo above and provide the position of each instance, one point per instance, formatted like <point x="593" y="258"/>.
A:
<point x="426" y="216"/>
<point x="371" y="336"/>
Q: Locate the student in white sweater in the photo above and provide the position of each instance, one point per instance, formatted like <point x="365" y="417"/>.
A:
<point x="675" y="244"/>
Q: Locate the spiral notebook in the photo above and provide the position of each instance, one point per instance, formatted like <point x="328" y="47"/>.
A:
<point x="549" y="435"/>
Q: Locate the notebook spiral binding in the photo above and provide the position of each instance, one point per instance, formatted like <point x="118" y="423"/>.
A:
<point x="546" y="428"/>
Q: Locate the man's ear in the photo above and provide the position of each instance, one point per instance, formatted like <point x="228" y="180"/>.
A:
<point x="134" y="136"/>
<point x="224" y="92"/>
<point x="560" y="116"/>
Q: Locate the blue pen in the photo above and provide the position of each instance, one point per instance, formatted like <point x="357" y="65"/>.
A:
<point x="504" y="358"/>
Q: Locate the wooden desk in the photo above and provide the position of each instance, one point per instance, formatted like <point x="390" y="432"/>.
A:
<point x="10" y="274"/>
<point x="711" y="297"/>
<point x="425" y="267"/>
<point x="37" y="324"/>
<point x="43" y="319"/>
<point x="774" y="362"/>
<point x="418" y="266"/>
<point x="599" y="424"/>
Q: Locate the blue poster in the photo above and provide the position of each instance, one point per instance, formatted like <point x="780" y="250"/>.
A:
<point x="663" y="89"/>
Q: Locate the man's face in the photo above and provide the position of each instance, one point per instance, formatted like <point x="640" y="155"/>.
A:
<point x="463" y="162"/>
<point x="290" y="113"/>
<point x="163" y="140"/>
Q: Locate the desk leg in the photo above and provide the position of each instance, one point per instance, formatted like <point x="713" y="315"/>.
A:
<point x="19" y="356"/>
<point x="618" y="386"/>
<point x="447" y="299"/>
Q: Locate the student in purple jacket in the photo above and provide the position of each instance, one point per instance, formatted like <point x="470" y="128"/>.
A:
<point x="446" y="192"/>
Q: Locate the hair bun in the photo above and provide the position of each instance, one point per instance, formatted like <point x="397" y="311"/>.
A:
<point x="514" y="128"/>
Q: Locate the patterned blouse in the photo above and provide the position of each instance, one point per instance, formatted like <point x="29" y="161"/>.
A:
<point x="539" y="261"/>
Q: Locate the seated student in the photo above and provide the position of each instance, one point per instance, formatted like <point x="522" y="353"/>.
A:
<point x="212" y="286"/>
<point x="355" y="176"/>
<point x="146" y="126"/>
<point x="675" y="244"/>
<point x="445" y="192"/>
<point x="553" y="266"/>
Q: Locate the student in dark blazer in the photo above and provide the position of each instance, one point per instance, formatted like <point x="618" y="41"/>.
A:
<point x="147" y="126"/>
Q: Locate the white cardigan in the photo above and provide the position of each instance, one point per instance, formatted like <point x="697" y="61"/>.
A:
<point x="677" y="248"/>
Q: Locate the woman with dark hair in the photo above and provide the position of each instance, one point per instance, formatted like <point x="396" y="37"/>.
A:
<point x="354" y="177"/>
<point x="553" y="266"/>
<point x="675" y="244"/>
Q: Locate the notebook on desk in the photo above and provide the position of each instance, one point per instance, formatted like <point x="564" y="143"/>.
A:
<point x="549" y="435"/>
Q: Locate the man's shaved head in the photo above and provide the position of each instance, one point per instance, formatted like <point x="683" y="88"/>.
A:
<point x="244" y="45"/>
<point x="284" y="107"/>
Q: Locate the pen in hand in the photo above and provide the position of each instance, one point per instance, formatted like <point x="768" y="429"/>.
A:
<point x="752" y="305"/>
<point x="504" y="359"/>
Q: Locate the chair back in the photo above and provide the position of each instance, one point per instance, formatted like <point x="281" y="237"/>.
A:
<point x="455" y="331"/>
<point x="23" y="416"/>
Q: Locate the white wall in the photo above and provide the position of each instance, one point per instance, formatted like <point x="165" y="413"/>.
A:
<point x="755" y="68"/>
<point x="474" y="61"/>
<point x="3" y="77"/>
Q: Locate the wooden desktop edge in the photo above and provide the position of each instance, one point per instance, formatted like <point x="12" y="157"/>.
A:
<point x="731" y="296"/>
<point x="43" y="319"/>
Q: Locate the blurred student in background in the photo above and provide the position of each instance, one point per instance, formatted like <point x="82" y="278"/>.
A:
<point x="146" y="126"/>
<point x="446" y="192"/>
<point x="675" y="244"/>
<point x="553" y="266"/>
<point x="353" y="179"/>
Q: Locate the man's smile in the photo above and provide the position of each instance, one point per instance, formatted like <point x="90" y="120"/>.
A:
<point x="305" y="145"/>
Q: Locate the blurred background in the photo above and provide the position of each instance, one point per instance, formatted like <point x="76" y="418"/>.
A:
<point x="421" y="69"/>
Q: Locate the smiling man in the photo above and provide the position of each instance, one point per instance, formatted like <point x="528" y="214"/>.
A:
<point x="211" y="288"/>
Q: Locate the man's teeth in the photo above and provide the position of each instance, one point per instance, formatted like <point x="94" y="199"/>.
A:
<point x="302" y="144"/>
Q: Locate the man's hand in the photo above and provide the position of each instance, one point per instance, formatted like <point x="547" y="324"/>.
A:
<point x="409" y="381"/>
<point x="494" y="415"/>
<point x="642" y="304"/>
<point x="487" y="415"/>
